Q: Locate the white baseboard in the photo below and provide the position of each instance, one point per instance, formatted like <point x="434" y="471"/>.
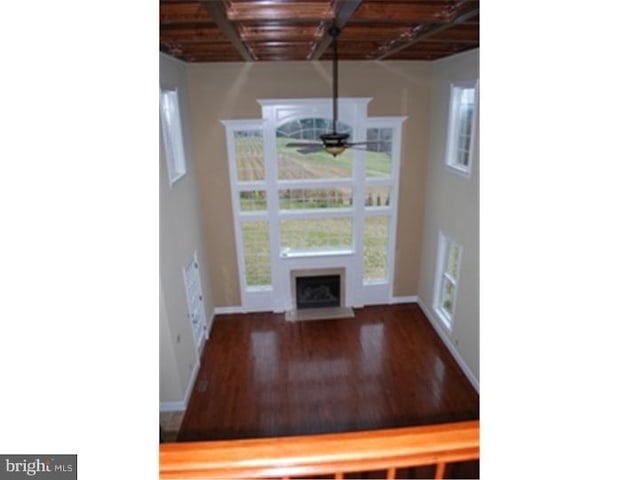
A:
<point x="450" y="346"/>
<point x="241" y="309"/>
<point x="192" y="381"/>
<point x="173" y="406"/>
<point x="406" y="299"/>
<point x="224" y="310"/>
<point x="182" y="404"/>
<point x="237" y="309"/>
<point x="212" y="317"/>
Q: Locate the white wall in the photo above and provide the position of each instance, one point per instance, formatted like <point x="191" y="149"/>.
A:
<point x="452" y="205"/>
<point x="180" y="236"/>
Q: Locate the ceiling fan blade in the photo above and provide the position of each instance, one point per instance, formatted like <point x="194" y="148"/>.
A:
<point x="310" y="149"/>
<point x="302" y="144"/>
<point x="351" y="144"/>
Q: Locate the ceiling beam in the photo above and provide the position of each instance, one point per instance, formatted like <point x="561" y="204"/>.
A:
<point x="344" y="10"/>
<point x="218" y="13"/>
<point x="261" y="33"/>
<point x="462" y="15"/>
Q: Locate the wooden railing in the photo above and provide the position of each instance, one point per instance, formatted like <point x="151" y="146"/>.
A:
<point x="335" y="454"/>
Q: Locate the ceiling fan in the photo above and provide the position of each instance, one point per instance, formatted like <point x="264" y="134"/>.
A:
<point x="334" y="143"/>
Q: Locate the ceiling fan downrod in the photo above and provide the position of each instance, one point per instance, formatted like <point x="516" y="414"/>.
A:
<point x="334" y="31"/>
<point x="334" y="142"/>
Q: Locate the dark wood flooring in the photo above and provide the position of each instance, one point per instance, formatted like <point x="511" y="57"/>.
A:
<point x="261" y="376"/>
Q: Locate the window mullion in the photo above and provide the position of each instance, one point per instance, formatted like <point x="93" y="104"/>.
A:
<point x="314" y="183"/>
<point x="378" y="212"/>
<point x="271" y="179"/>
<point x="315" y="213"/>
<point x="249" y="186"/>
<point x="450" y="278"/>
<point x="252" y="216"/>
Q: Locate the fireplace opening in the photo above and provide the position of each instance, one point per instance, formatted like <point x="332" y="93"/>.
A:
<point x="318" y="291"/>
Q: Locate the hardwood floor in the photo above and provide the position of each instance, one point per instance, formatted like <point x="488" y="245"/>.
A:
<point x="261" y="376"/>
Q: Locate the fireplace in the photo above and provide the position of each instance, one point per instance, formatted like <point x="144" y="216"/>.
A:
<point x="318" y="294"/>
<point x="317" y="291"/>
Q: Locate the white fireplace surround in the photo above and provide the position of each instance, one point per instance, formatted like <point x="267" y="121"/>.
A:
<point x="316" y="272"/>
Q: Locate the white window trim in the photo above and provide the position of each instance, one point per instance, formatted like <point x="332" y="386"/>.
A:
<point x="330" y="252"/>
<point x="172" y="137"/>
<point x="253" y="296"/>
<point x="451" y="147"/>
<point x="441" y="273"/>
<point x="276" y="112"/>
<point x="395" y="123"/>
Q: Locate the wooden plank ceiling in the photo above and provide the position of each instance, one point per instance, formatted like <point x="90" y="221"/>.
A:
<point x="287" y="30"/>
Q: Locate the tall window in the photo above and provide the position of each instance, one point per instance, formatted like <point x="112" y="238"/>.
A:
<point x="172" y="134"/>
<point x="297" y="210"/>
<point x="251" y="201"/>
<point x="446" y="282"/>
<point x="314" y="191"/>
<point x="462" y="125"/>
<point x="379" y="209"/>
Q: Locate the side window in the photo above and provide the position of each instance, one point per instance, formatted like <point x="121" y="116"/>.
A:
<point x="172" y="134"/>
<point x="446" y="281"/>
<point x="250" y="192"/>
<point x="462" y="125"/>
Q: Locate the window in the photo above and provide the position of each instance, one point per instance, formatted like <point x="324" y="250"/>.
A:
<point x="250" y="192"/>
<point x="446" y="282"/>
<point x="379" y="180"/>
<point x="315" y="191"/>
<point x="293" y="165"/>
<point x="249" y="155"/>
<point x="462" y="125"/>
<point x="257" y="263"/>
<point x="295" y="211"/>
<point x="328" y="234"/>
<point x="172" y="134"/>
<point x="375" y="248"/>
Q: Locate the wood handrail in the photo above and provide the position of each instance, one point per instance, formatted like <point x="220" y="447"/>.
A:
<point x="322" y="454"/>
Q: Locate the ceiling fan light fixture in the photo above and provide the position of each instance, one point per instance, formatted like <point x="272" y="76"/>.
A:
<point x="335" y="150"/>
<point x="334" y="143"/>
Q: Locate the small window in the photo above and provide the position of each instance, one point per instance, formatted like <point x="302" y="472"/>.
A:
<point x="462" y="125"/>
<point x="375" y="248"/>
<point x="294" y="165"/>
<point x="253" y="200"/>
<point x="172" y="134"/>
<point x="446" y="283"/>
<point x="249" y="146"/>
<point x="257" y="262"/>
<point x="378" y="159"/>
<point x="315" y="198"/>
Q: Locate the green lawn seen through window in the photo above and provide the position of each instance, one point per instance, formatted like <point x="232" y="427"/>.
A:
<point x="310" y="234"/>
